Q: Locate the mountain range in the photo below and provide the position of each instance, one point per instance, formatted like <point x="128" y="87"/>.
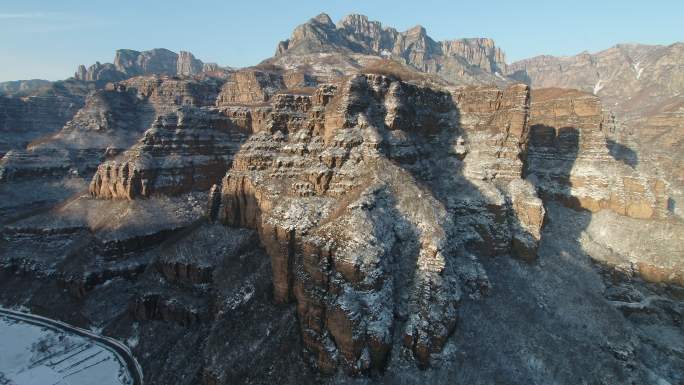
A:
<point x="365" y="206"/>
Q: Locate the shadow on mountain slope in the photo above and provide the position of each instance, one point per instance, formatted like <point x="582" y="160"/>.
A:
<point x="622" y="153"/>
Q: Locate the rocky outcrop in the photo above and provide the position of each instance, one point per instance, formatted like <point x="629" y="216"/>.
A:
<point x="23" y="120"/>
<point x="111" y="121"/>
<point x="496" y="123"/>
<point x="351" y="190"/>
<point x="129" y="63"/>
<point x="187" y="150"/>
<point x="155" y="61"/>
<point x="187" y="65"/>
<point x="99" y="72"/>
<point x="642" y="88"/>
<point x="569" y="158"/>
<point x="355" y="40"/>
<point x="165" y="95"/>
<point x="249" y="87"/>
<point x="201" y="142"/>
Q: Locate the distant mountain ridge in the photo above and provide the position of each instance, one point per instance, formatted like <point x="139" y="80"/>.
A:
<point x="23" y="87"/>
<point x="472" y="60"/>
<point x="128" y="63"/>
<point x="612" y="73"/>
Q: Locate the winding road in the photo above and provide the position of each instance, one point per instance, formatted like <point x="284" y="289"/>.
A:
<point x="118" y="348"/>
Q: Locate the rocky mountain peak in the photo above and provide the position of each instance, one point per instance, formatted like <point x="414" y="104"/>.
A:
<point x="417" y="30"/>
<point x="129" y="63"/>
<point x="157" y="60"/>
<point x="461" y="61"/>
<point x="323" y="19"/>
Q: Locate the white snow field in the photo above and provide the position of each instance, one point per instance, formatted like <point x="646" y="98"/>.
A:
<point x="32" y="354"/>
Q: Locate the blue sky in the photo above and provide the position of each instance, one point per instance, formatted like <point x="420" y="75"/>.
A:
<point x="49" y="38"/>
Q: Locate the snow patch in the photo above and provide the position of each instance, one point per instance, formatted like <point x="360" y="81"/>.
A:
<point x="638" y="69"/>
<point x="132" y="341"/>
<point x="598" y="86"/>
<point x="33" y="354"/>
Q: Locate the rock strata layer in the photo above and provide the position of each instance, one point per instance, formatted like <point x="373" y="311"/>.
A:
<point x="330" y="184"/>
<point x="569" y="158"/>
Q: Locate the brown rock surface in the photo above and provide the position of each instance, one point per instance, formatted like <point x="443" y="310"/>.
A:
<point x="187" y="150"/>
<point x="330" y="183"/>
<point x="569" y="159"/>
<point x="377" y="200"/>
<point x="249" y="87"/>
<point x="642" y="88"/>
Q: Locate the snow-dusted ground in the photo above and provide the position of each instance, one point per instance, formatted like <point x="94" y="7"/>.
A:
<point x="32" y="354"/>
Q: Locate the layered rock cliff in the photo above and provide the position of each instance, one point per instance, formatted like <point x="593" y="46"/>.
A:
<point x="641" y="86"/>
<point x="187" y="150"/>
<point x="569" y="157"/>
<point x="572" y="159"/>
<point x="346" y="209"/>
<point x="112" y="120"/>
<point x="330" y="183"/>
<point x="32" y="111"/>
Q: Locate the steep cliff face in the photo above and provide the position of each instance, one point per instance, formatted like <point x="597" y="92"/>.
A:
<point x="642" y="87"/>
<point x="329" y="179"/>
<point x="570" y="159"/>
<point x="358" y="196"/>
<point x="250" y="87"/>
<point x="129" y="63"/>
<point x="34" y="110"/>
<point x="112" y="120"/>
<point x="496" y="123"/>
<point x="355" y="40"/>
<point x="187" y="64"/>
<point x="186" y="150"/>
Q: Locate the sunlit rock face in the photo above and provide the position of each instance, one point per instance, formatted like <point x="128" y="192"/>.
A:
<point x="359" y="196"/>
<point x="641" y="88"/>
<point x="251" y="87"/>
<point x="569" y="158"/>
